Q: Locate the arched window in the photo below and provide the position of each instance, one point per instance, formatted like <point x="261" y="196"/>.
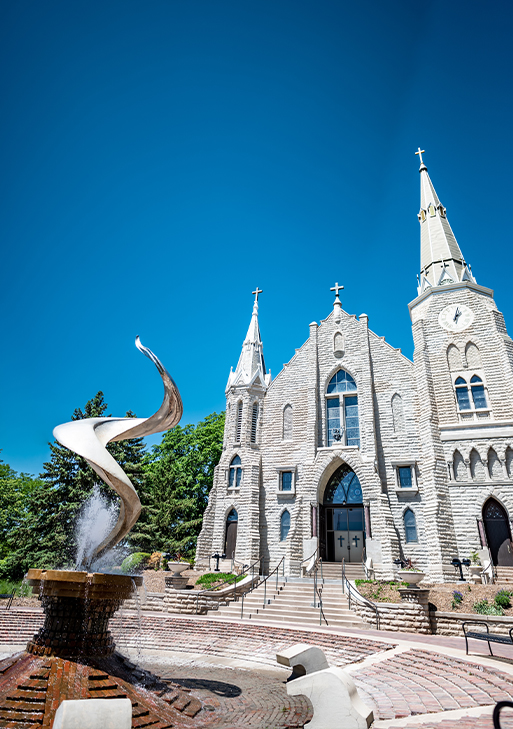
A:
<point x="454" y="358"/>
<point x="343" y="487"/>
<point x="478" y="392"/>
<point x="338" y="344"/>
<point x="287" y="422"/>
<point x="472" y="356"/>
<point x="235" y="473"/>
<point x="462" y="396"/>
<point x="284" y="525"/>
<point x="230" y="539"/>
<point x="238" y="423"/>
<point x="410" y="526"/>
<point x="342" y="410"/>
<point x="254" y="422"/>
<point x="397" y="413"/>
<point x="432" y="210"/>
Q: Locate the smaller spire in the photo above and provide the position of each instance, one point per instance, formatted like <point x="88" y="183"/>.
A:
<point x="337" y="304"/>
<point x="250" y="368"/>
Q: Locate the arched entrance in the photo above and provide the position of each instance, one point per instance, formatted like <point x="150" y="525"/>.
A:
<point x="498" y="532"/>
<point x="231" y="534"/>
<point x="341" y="518"/>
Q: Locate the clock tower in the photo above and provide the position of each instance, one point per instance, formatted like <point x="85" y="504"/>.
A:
<point x="463" y="365"/>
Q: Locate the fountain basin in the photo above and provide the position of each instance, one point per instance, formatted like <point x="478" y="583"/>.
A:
<point x="77" y="607"/>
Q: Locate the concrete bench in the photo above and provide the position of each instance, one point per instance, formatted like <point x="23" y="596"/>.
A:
<point x="488" y="637"/>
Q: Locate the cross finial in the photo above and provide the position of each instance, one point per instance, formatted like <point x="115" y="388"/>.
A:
<point x="258" y="291"/>
<point x="420" y="153"/>
<point x="336" y="289"/>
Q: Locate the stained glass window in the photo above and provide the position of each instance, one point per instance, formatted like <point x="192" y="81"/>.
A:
<point x="342" y="412"/>
<point x="405" y="480"/>
<point x="410" y="526"/>
<point x="235" y="473"/>
<point x="462" y="395"/>
<point x="284" y="525"/>
<point x="343" y="487"/>
<point x="478" y="392"/>
<point x="286" y="481"/>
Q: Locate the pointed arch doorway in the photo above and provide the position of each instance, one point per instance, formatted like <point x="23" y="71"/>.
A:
<point x="230" y="541"/>
<point x="341" y="518"/>
<point x="498" y="532"/>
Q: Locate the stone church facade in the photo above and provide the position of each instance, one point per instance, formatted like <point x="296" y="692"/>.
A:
<point x="357" y="452"/>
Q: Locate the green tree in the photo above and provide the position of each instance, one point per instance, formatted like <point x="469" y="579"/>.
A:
<point x="44" y="537"/>
<point x="15" y="492"/>
<point x="179" y="476"/>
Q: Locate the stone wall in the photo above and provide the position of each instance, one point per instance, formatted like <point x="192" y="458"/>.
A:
<point x="411" y="615"/>
<point x="450" y="623"/>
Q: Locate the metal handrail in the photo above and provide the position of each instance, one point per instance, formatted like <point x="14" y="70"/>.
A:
<point x="357" y="596"/>
<point x="318" y="591"/>
<point x="9" y="597"/>
<point x="247" y="568"/>
<point x="264" y="583"/>
<point x="307" y="559"/>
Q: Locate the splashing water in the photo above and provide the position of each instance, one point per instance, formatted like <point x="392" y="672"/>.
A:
<point x="94" y="522"/>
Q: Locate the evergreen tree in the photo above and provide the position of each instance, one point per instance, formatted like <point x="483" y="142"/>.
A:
<point x="179" y="476"/>
<point x="44" y="538"/>
<point x="15" y="491"/>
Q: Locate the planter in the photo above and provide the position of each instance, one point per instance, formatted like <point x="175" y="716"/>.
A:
<point x="475" y="573"/>
<point x="412" y="578"/>
<point x="177" y="567"/>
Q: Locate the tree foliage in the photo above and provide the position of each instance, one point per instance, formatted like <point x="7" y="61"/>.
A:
<point x="179" y="475"/>
<point x="44" y="536"/>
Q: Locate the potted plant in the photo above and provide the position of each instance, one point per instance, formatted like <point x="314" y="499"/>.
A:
<point x="178" y="564"/>
<point x="410" y="573"/>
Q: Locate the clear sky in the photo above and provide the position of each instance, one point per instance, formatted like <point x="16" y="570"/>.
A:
<point x="161" y="159"/>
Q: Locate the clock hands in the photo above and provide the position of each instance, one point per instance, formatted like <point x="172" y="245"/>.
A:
<point x="457" y="314"/>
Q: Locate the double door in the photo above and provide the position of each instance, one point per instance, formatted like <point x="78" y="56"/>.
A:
<point x="345" y="533"/>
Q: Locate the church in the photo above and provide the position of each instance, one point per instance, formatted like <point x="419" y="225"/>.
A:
<point x="355" y="452"/>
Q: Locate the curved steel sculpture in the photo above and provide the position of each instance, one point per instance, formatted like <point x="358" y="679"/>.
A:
<point x="89" y="437"/>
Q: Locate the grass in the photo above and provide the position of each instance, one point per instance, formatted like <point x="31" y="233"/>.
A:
<point x="217" y="579"/>
<point x="21" y="589"/>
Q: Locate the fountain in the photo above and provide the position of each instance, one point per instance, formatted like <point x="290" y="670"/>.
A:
<point x="73" y="655"/>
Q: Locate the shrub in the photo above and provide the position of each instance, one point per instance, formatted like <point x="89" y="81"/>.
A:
<point x="154" y="560"/>
<point x="135" y="562"/>
<point x="21" y="589"/>
<point x="502" y="599"/>
<point x="483" y="607"/>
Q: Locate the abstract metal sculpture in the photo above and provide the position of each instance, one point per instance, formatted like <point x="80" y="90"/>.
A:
<point x="89" y="437"/>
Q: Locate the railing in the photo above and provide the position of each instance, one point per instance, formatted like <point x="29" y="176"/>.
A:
<point x="318" y="591"/>
<point x="264" y="583"/>
<point x="308" y="559"/>
<point x="352" y="593"/>
<point x="236" y="579"/>
<point x="9" y="597"/>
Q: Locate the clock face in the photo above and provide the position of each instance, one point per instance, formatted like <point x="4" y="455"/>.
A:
<point x="456" y="317"/>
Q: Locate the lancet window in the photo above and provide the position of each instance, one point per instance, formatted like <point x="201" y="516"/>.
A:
<point x="477" y="391"/>
<point x="410" y="526"/>
<point x="235" y="476"/>
<point x="238" y="423"/>
<point x="284" y="525"/>
<point x="254" y="422"/>
<point x="342" y="410"/>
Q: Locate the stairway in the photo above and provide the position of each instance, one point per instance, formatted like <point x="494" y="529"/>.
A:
<point x="293" y="602"/>
<point x="504" y="575"/>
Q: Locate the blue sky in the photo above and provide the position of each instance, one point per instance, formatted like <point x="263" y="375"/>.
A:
<point x="161" y="159"/>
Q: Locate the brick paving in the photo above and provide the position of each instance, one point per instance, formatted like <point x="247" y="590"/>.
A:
<point x="413" y="681"/>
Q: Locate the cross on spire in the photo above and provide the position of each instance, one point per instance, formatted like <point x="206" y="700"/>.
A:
<point x="255" y="293"/>
<point x="420" y="153"/>
<point x="336" y="289"/>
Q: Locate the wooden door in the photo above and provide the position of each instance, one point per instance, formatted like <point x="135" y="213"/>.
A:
<point x="231" y="539"/>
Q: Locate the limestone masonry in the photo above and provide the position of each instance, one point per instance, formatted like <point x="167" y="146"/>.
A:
<point x="357" y="452"/>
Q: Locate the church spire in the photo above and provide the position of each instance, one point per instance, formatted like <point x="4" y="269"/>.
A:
<point x="250" y="369"/>
<point x="441" y="260"/>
